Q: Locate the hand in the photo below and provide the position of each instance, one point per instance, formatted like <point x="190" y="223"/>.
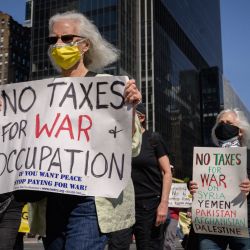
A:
<point x="161" y="214"/>
<point x="189" y="214"/>
<point x="245" y="186"/>
<point x="131" y="93"/>
<point x="193" y="187"/>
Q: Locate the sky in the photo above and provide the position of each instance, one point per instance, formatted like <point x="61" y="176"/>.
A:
<point x="235" y="30"/>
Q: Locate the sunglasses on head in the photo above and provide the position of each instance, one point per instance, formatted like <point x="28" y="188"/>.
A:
<point x="65" y="39"/>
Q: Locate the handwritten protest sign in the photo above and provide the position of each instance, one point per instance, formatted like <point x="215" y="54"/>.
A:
<point x="219" y="207"/>
<point x="179" y="196"/>
<point x="66" y="135"/>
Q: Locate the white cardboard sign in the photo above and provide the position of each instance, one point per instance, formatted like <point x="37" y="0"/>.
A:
<point x="66" y="135"/>
<point x="219" y="207"/>
<point x="179" y="196"/>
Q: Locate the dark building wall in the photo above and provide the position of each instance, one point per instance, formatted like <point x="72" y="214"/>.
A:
<point x="177" y="102"/>
<point x="14" y="50"/>
<point x="187" y="44"/>
<point x="128" y="37"/>
<point x="146" y="57"/>
<point x="200" y="20"/>
<point x="211" y="90"/>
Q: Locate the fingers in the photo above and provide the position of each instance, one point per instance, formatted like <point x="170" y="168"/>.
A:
<point x="245" y="186"/>
<point x="193" y="187"/>
<point x="131" y="93"/>
<point x="160" y="219"/>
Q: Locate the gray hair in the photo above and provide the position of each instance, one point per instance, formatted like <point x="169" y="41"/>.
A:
<point x="243" y="124"/>
<point x="101" y="53"/>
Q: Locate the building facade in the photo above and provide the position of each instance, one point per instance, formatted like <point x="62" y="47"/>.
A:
<point x="172" y="48"/>
<point x="232" y="100"/>
<point x="181" y="60"/>
<point x="28" y="13"/>
<point x="14" y="50"/>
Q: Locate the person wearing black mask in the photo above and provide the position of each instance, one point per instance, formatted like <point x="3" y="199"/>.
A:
<point x="230" y="130"/>
<point x="227" y="135"/>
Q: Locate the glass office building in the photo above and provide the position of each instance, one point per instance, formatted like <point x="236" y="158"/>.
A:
<point x="171" y="47"/>
<point x="232" y="100"/>
<point x="181" y="60"/>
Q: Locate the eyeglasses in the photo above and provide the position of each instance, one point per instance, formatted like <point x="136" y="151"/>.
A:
<point x="65" y="38"/>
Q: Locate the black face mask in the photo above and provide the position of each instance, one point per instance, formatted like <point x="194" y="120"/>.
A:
<point x="226" y="131"/>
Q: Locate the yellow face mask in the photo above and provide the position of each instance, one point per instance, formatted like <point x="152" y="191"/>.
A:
<point x="65" y="56"/>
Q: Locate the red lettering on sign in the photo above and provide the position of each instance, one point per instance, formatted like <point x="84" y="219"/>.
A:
<point x="208" y="179"/>
<point x="85" y="130"/>
<point x="84" y="125"/>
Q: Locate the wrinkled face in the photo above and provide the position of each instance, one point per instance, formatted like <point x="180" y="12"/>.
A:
<point x="64" y="27"/>
<point x="66" y="31"/>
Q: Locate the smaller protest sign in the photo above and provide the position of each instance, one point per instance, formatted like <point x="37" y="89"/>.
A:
<point x="179" y="196"/>
<point x="219" y="207"/>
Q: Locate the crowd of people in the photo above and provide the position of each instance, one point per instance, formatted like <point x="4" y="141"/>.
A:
<point x="68" y="222"/>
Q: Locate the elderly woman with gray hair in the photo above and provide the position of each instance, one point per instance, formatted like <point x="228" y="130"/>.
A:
<point x="230" y="130"/>
<point x="73" y="222"/>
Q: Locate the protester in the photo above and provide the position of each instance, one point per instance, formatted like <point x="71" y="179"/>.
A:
<point x="152" y="180"/>
<point x="230" y="130"/>
<point x="73" y="222"/>
<point x="10" y="218"/>
<point x="151" y="175"/>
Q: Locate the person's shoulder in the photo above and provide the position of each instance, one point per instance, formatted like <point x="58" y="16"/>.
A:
<point x="156" y="140"/>
<point x="154" y="137"/>
<point x="147" y="133"/>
